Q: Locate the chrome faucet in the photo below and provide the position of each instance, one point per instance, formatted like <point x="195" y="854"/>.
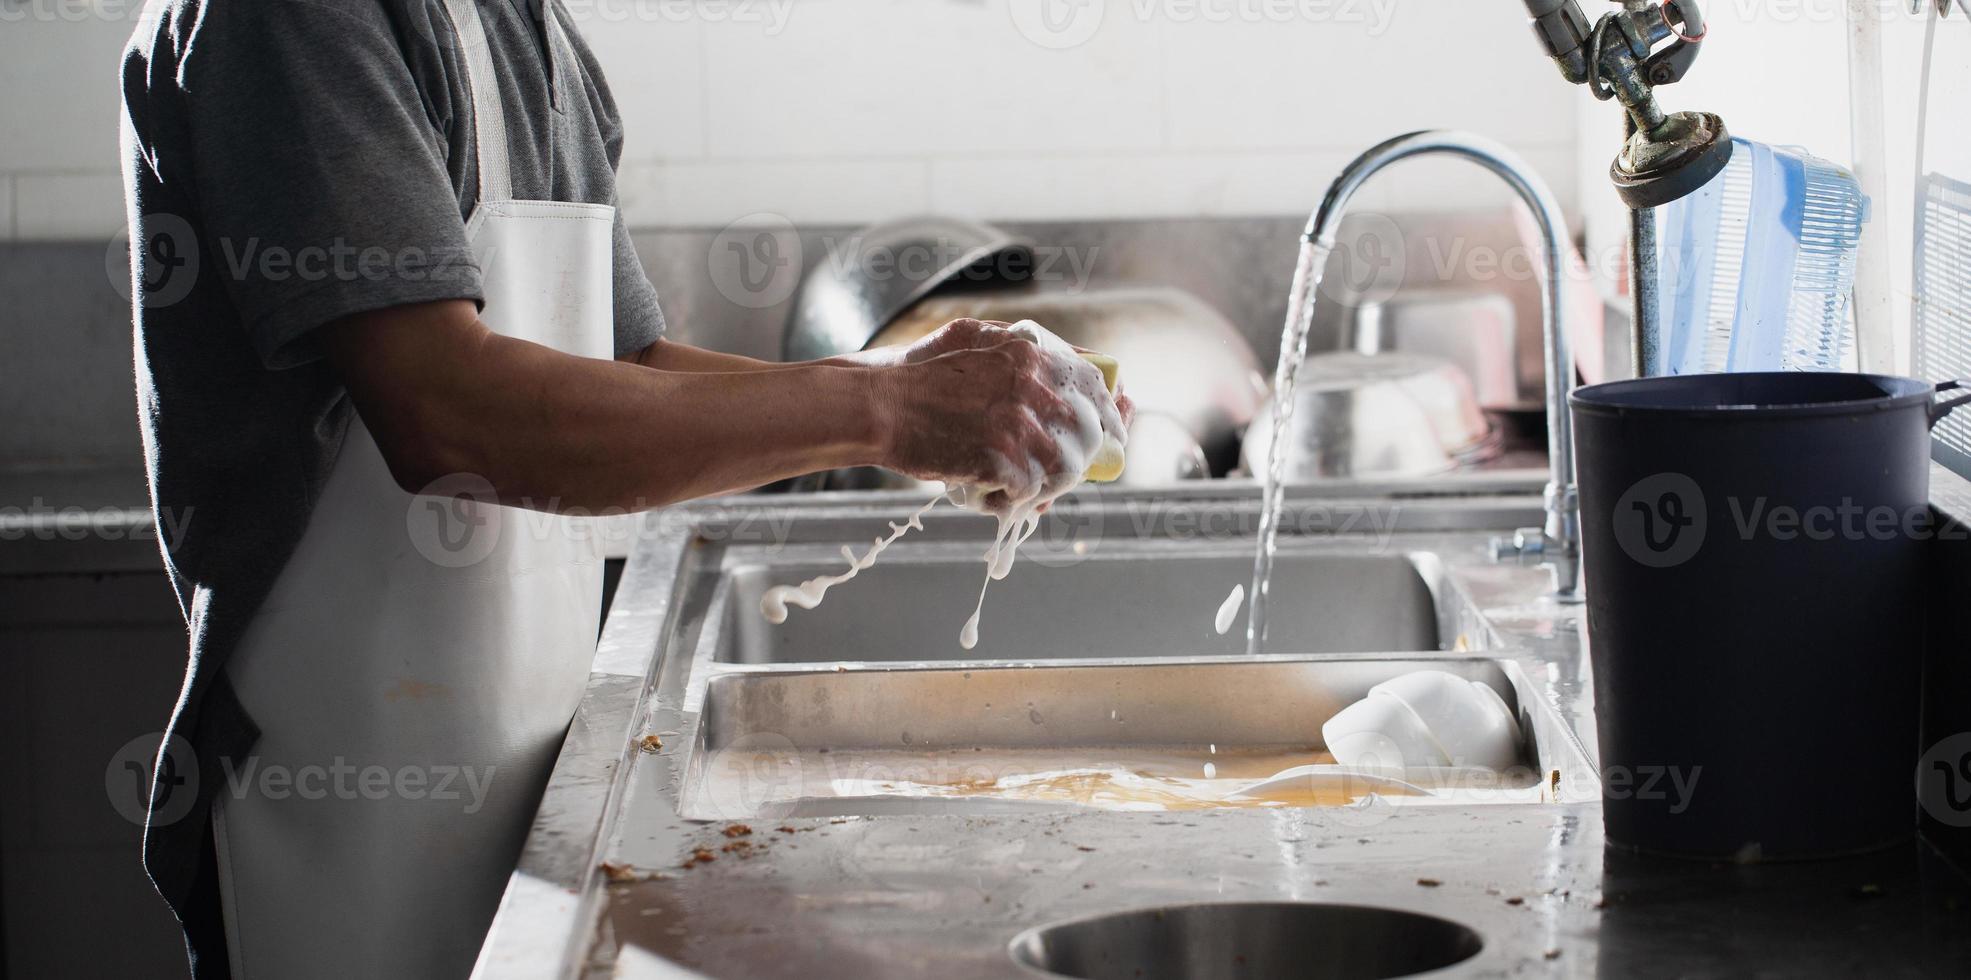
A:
<point x="1558" y="543"/>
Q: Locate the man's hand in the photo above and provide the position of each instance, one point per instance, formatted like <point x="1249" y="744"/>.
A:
<point x="971" y="334"/>
<point x="961" y="334"/>
<point x="978" y="415"/>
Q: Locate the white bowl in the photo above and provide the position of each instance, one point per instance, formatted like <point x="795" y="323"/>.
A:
<point x="1380" y="732"/>
<point x="1469" y="721"/>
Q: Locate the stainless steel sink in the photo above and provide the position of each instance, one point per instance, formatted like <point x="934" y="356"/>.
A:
<point x="855" y="763"/>
<point x="1123" y="600"/>
<point x="1122" y="735"/>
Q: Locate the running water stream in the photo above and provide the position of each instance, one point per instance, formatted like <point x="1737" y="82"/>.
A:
<point x="1293" y="350"/>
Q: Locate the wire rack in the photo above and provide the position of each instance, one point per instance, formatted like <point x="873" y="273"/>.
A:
<point x="1942" y="309"/>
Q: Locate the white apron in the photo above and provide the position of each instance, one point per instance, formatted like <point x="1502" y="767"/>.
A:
<point x="416" y="665"/>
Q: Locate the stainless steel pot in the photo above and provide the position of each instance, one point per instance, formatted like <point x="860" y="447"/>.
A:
<point x="864" y="283"/>
<point x="1461" y="285"/>
<point x="1376" y="415"/>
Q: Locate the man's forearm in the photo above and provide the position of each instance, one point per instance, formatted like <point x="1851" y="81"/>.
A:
<point x="666" y="355"/>
<point x="556" y="432"/>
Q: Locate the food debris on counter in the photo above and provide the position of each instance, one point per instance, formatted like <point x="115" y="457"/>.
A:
<point x="737" y="830"/>
<point x="622" y="874"/>
<point x="1429" y="882"/>
<point x="650" y="743"/>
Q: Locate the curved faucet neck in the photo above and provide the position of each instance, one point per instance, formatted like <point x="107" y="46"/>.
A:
<point x="1561" y="536"/>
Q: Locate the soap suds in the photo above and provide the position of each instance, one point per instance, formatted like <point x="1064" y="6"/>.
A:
<point x="1026" y="486"/>
<point x="1228" y="611"/>
<point x="1023" y="487"/>
<point x="808" y="594"/>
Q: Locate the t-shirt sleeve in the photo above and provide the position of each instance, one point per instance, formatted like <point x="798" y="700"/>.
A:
<point x="321" y="182"/>
<point x="639" y="320"/>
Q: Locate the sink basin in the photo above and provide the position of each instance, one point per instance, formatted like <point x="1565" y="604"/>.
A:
<point x="1114" y="604"/>
<point x="1122" y="736"/>
<point x="1249" y="941"/>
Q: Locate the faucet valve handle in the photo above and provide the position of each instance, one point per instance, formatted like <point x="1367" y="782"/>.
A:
<point x="1527" y="542"/>
<point x="1685" y="21"/>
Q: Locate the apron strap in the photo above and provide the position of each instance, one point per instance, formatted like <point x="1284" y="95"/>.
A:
<point x="488" y="111"/>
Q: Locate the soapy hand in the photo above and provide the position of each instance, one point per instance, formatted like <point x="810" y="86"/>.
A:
<point x="965" y="416"/>
<point x="1012" y="412"/>
<point x="961" y="334"/>
<point x="964" y="333"/>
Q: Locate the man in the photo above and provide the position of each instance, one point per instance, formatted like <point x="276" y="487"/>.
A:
<point x="376" y="254"/>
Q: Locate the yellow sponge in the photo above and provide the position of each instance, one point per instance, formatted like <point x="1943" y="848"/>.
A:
<point x="1107" y="465"/>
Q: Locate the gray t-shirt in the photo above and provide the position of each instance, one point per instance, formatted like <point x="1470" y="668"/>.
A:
<point x="291" y="162"/>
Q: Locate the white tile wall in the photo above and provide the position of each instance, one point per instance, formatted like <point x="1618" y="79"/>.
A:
<point x="855" y="77"/>
<point x="1158" y="112"/>
<point x="60" y="75"/>
<point x="656" y="72"/>
<point x="58" y="153"/>
<point x="716" y="193"/>
<point x="856" y="110"/>
<point x="1320" y="83"/>
<point x="68" y="206"/>
<point x="1255" y="183"/>
<point x="1125" y="184"/>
